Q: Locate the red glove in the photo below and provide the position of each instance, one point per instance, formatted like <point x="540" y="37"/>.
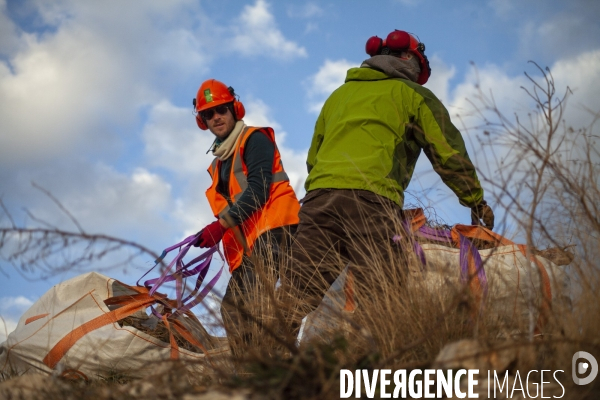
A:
<point x="210" y="235"/>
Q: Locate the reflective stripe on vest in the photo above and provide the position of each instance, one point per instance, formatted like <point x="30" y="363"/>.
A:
<point x="237" y="170"/>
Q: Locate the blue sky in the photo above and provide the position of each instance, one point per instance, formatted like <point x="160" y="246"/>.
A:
<point x="96" y="97"/>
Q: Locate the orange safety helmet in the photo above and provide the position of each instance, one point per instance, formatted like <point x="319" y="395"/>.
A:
<point x="399" y="41"/>
<point x="213" y="93"/>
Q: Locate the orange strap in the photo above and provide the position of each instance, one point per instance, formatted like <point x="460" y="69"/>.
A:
<point x="35" y="318"/>
<point x="473" y="278"/>
<point x="74" y="375"/>
<point x="125" y="299"/>
<point x="142" y="291"/>
<point x="478" y="232"/>
<point x="65" y="344"/>
<point x="174" y="346"/>
<point x="417" y="218"/>
<point x="179" y="327"/>
<point x="349" y="292"/>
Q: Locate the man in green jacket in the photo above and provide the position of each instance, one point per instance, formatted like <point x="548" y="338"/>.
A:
<point x="366" y="143"/>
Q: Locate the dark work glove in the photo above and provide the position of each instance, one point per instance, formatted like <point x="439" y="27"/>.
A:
<point x="210" y="235"/>
<point x="482" y="212"/>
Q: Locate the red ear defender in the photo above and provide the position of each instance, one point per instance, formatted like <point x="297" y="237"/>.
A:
<point x="398" y="41"/>
<point x="201" y="123"/>
<point x="239" y="110"/>
<point x="374" y="45"/>
<point x="199" y="120"/>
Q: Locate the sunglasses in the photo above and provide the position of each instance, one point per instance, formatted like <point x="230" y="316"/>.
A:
<point x="207" y="115"/>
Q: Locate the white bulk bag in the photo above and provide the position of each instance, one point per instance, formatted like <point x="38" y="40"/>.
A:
<point x="59" y="333"/>
<point x="521" y="292"/>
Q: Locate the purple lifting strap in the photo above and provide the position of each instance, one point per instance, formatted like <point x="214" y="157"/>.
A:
<point x="435" y="234"/>
<point x="189" y="239"/>
<point x="464" y="259"/>
<point x="198" y="266"/>
<point x="445" y="236"/>
<point x="465" y="247"/>
<point x="420" y="253"/>
<point x="202" y="294"/>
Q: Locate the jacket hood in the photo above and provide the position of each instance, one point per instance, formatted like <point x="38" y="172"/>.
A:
<point x="365" y="74"/>
<point x="390" y="67"/>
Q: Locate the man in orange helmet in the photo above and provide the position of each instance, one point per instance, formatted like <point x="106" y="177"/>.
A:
<point x="251" y="197"/>
<point x="366" y="143"/>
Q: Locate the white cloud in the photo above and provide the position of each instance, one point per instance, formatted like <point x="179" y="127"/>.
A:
<point x="439" y="81"/>
<point x="135" y="206"/>
<point x="581" y="73"/>
<point x="257" y="34"/>
<point x="11" y="309"/>
<point x="17" y="304"/>
<point x="104" y="200"/>
<point x="259" y="114"/>
<point x="71" y="86"/>
<point x="174" y="141"/>
<point x="556" y="32"/>
<point x="330" y="76"/>
<point x="125" y="200"/>
<point x="7" y="325"/>
<point x="493" y="81"/>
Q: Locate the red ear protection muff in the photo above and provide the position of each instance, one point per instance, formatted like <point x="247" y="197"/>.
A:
<point x="397" y="42"/>
<point x="374" y="45"/>
<point x="238" y="108"/>
<point x="200" y="122"/>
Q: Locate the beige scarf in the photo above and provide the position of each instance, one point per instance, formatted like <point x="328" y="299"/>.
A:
<point x="225" y="149"/>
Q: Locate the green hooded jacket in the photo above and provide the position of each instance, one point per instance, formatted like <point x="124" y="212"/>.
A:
<point x="371" y="131"/>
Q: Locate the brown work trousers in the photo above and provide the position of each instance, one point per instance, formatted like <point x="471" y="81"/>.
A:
<point x="340" y="227"/>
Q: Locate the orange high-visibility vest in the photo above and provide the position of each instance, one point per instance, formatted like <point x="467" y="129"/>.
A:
<point x="281" y="208"/>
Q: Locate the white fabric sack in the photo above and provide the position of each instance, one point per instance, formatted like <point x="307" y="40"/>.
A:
<point x="516" y="285"/>
<point x="104" y="351"/>
<point x="330" y="315"/>
<point x="515" y="288"/>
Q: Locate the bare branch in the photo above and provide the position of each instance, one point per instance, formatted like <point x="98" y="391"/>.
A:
<point x="59" y="204"/>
